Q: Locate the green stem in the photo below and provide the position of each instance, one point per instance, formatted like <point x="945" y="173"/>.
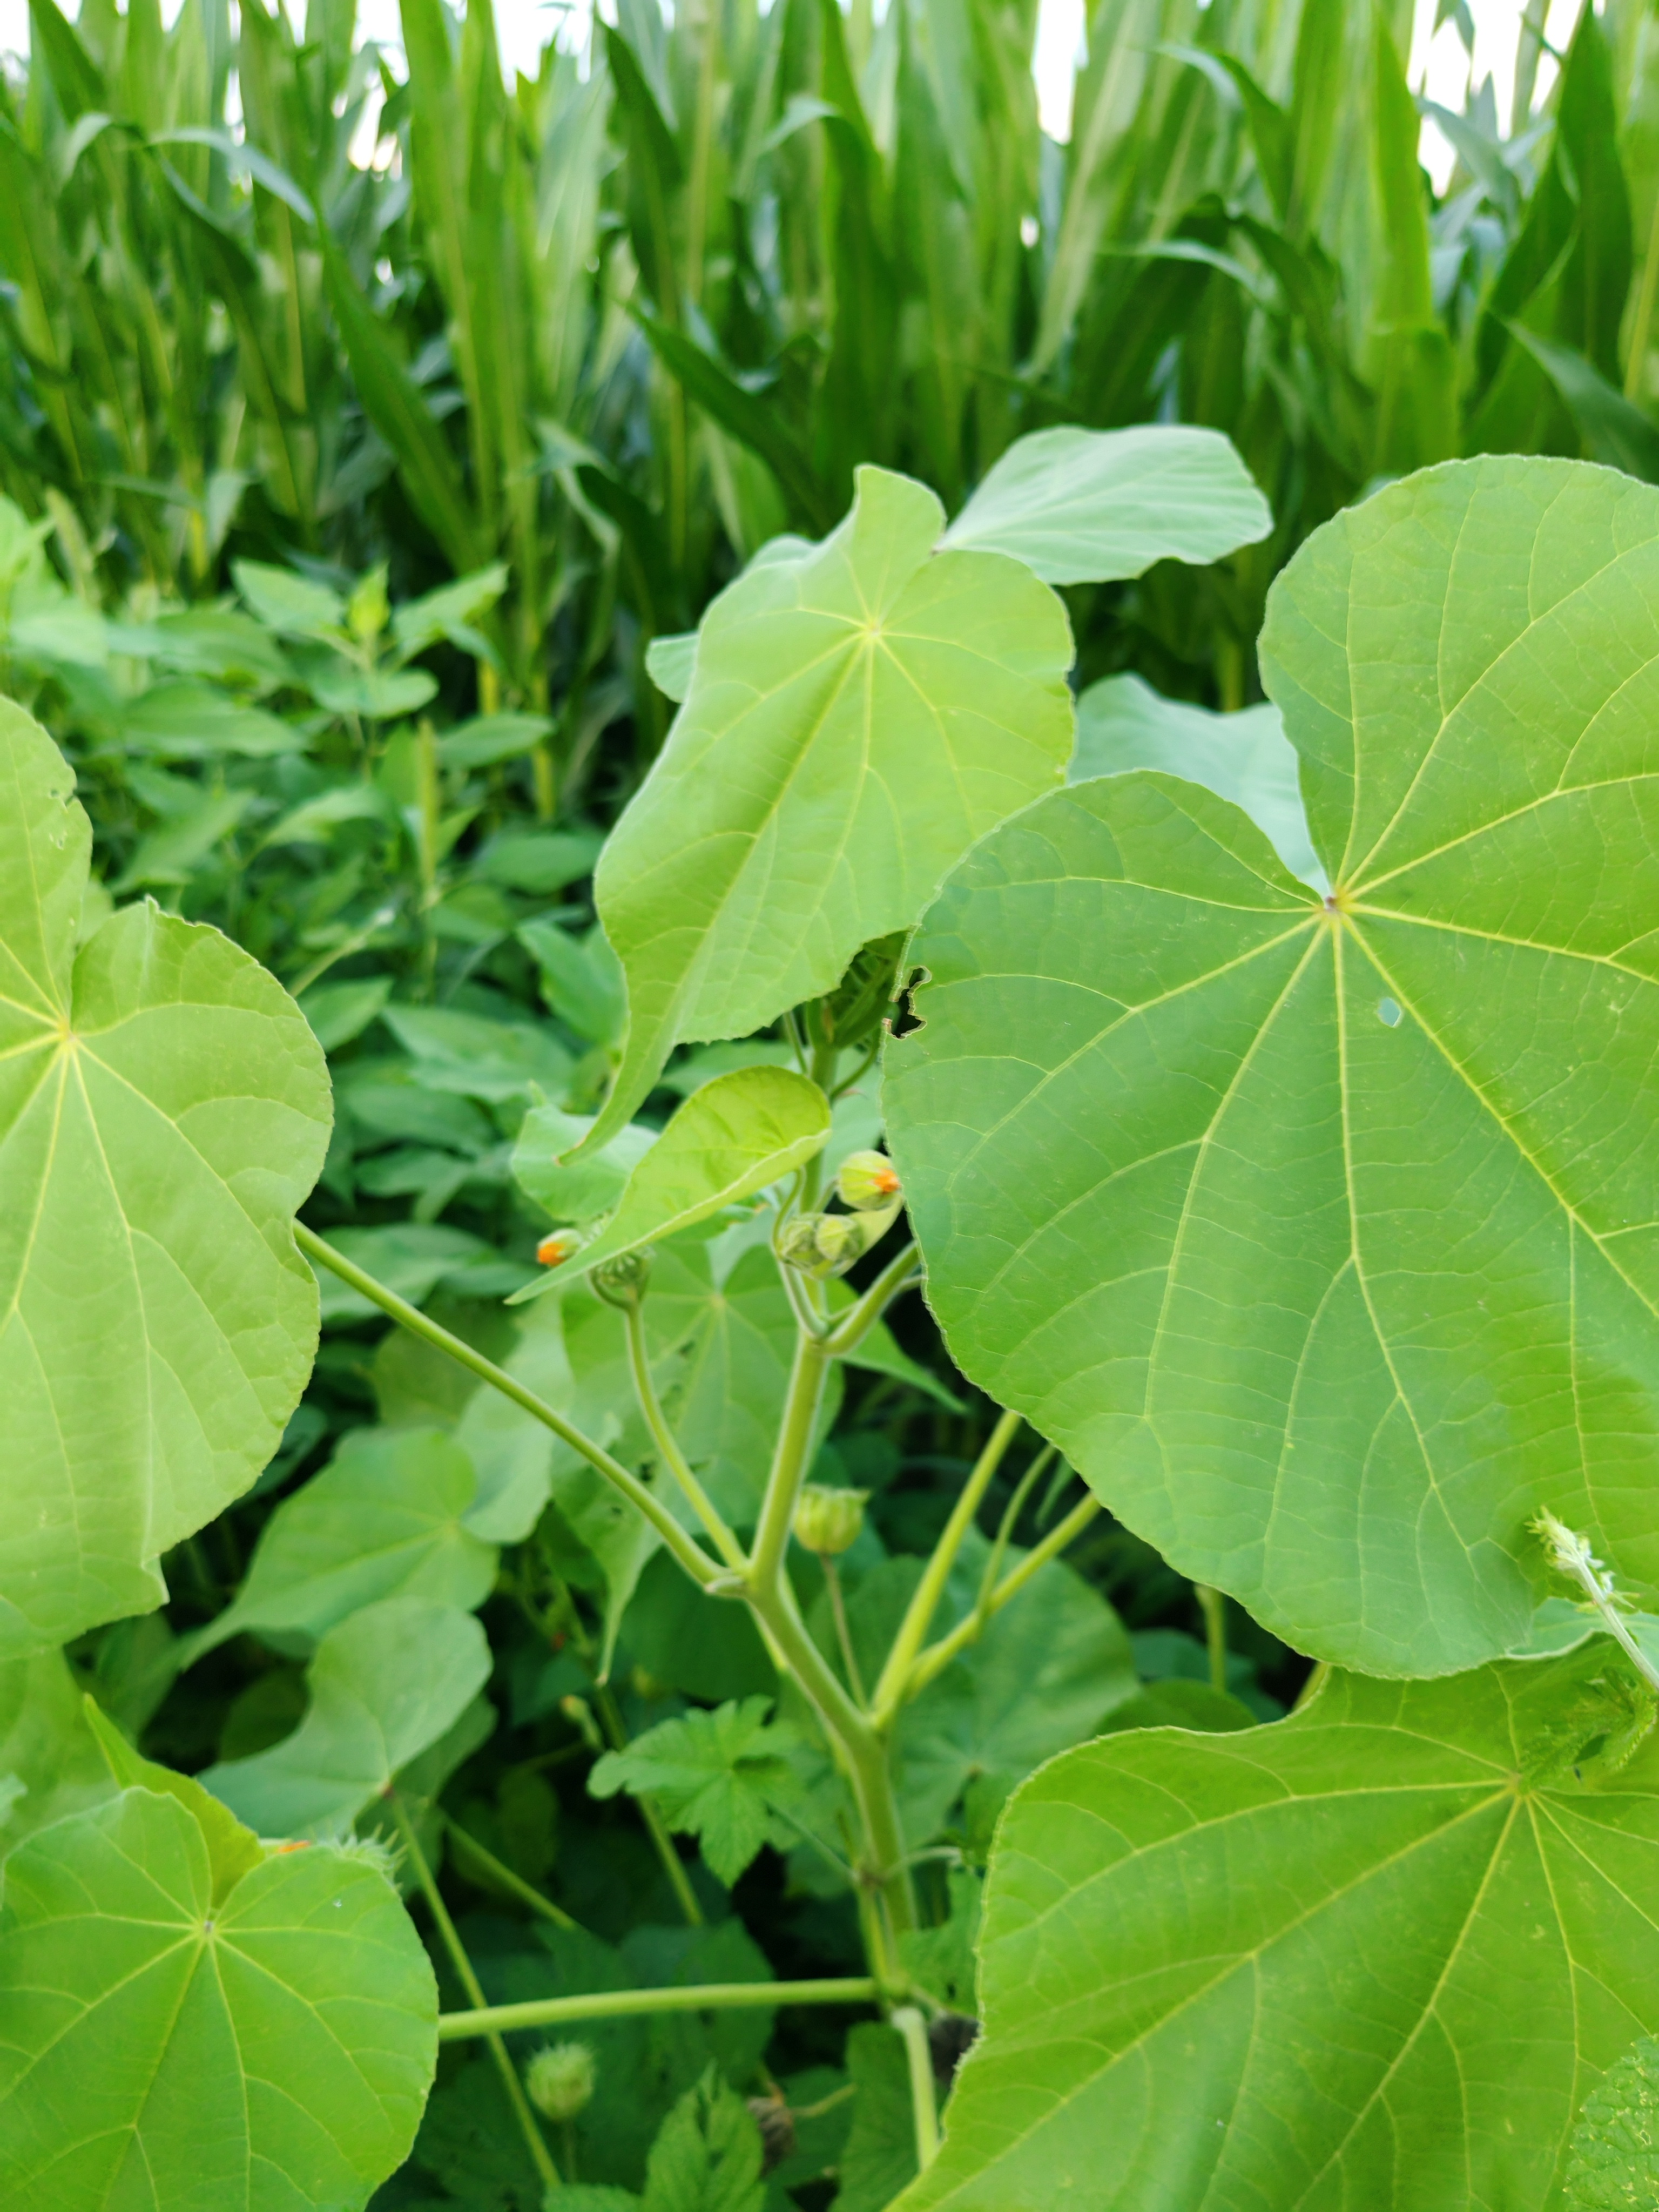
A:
<point x="938" y="1656"/>
<point x="623" y="2004"/>
<point x="540" y="2155"/>
<point x="696" y="1563"/>
<point x="843" y="1633"/>
<point x="919" y="1614"/>
<point x="639" y="1359"/>
<point x="791" y="1460"/>
<point x="859" y="1319"/>
<point x="504" y="1877"/>
<point x="656" y="1827"/>
<point x="911" y="2026"/>
<point x="1642" y="323"/>
<point x="1214" y="1606"/>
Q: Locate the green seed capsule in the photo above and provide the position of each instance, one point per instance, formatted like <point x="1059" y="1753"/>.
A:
<point x="560" y="2079"/>
<point x="829" y="1520"/>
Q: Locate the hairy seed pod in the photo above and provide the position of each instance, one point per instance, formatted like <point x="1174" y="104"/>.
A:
<point x="829" y="1520"/>
<point x="560" y="2079"/>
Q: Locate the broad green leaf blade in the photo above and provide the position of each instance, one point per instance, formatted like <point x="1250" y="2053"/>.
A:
<point x="164" y="1110"/>
<point x="860" y="713"/>
<point x="1123" y="724"/>
<point x="232" y="1850"/>
<point x="728" y="1140"/>
<point x="383" y="1519"/>
<point x="707" y="2157"/>
<point x="669" y="662"/>
<point x="1374" y="1954"/>
<point x="385" y="1684"/>
<point x="1321" y="1237"/>
<point x="1089" y="506"/>
<point x="270" y="2050"/>
<point x="578" y="1189"/>
<point x="50" y="1762"/>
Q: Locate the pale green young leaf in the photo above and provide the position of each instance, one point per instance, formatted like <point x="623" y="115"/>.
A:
<point x="449" y="612"/>
<point x="386" y="1682"/>
<point x="713" y="1775"/>
<point x="165" y="2047"/>
<point x="288" y="602"/>
<point x="1376" y="1953"/>
<point x="726" y="1141"/>
<point x="578" y="1189"/>
<point x="1123" y="724"/>
<point x="164" y="1110"/>
<point x="50" y="1762"/>
<point x="383" y="1519"/>
<point x="669" y="662"/>
<point x="859" y="712"/>
<point x="1322" y="1239"/>
<point x="1082" y="507"/>
<point x="343" y="688"/>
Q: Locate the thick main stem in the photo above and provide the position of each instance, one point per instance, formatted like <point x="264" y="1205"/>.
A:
<point x="696" y="1563"/>
<point x="534" y="2141"/>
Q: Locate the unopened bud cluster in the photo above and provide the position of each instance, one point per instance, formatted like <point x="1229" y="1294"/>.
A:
<point x="560" y="2079"/>
<point x="829" y="1520"/>
<point x="823" y="1244"/>
<point x="621" y="1281"/>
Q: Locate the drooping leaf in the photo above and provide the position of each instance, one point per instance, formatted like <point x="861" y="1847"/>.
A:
<point x="386" y="1682"/>
<point x="1373" y="1954"/>
<point x="1122" y="724"/>
<point x="272" y="2046"/>
<point x="859" y="712"/>
<point x="728" y="1140"/>
<point x="164" y="1110"/>
<point x="383" y="1519"/>
<point x="1088" y="506"/>
<point x="669" y="662"/>
<point x="713" y="1775"/>
<point x="1320" y="1235"/>
<point x="575" y="1189"/>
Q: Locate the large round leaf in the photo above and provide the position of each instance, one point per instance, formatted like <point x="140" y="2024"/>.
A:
<point x="163" y="1110"/>
<point x="257" y="2044"/>
<point x="859" y="712"/>
<point x="1324" y="1236"/>
<point x="1371" y="1956"/>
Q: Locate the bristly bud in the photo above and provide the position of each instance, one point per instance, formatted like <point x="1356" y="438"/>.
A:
<point x="865" y="1181"/>
<point x="622" y="1281"/>
<point x="1570" y="1555"/>
<point x="562" y="1245"/>
<point x="829" y="1520"/>
<point x="560" y="2079"/>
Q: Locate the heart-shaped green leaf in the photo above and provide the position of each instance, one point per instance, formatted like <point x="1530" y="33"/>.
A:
<point x="1122" y="724"/>
<point x="729" y="1140"/>
<point x="1374" y="1954"/>
<point x="383" y="1519"/>
<point x="164" y="1110"/>
<point x="1087" y="506"/>
<point x="269" y="2047"/>
<point x="859" y="712"/>
<point x="385" y="1684"/>
<point x="1324" y="1236"/>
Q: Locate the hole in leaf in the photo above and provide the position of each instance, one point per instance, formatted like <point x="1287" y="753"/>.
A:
<point x="1388" y="1010"/>
<point x="904" y="1021"/>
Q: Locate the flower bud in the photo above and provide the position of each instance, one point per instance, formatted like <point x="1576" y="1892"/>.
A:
<point x="369" y="611"/>
<point x="560" y="2079"/>
<point x="798" y="1245"/>
<point x="866" y="1179"/>
<point x="829" y="1520"/>
<point x="564" y="1244"/>
<point x="829" y="1243"/>
<point x="622" y="1281"/>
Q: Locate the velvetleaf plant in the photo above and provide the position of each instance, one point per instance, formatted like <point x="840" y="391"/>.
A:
<point x="1061" y="1140"/>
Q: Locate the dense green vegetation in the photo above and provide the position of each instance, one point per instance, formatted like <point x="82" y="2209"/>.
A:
<point x="663" y="687"/>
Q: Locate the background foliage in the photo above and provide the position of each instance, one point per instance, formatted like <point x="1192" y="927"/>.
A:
<point x="344" y="504"/>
